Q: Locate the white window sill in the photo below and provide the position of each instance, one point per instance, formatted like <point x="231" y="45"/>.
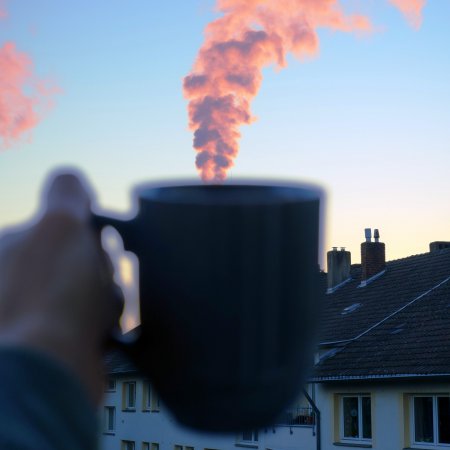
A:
<point x="428" y="447"/>
<point x="353" y="444"/>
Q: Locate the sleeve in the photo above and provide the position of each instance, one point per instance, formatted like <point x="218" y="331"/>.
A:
<point x="42" y="405"/>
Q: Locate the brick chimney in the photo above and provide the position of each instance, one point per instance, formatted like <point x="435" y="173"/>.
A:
<point x="373" y="256"/>
<point x="339" y="262"/>
<point x="439" y="245"/>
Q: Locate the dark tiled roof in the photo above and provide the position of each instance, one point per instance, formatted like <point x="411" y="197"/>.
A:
<point x="116" y="362"/>
<point x="399" y="328"/>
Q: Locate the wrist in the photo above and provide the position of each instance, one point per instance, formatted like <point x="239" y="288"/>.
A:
<point x="78" y="352"/>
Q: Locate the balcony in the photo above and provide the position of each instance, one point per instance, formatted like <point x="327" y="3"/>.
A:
<point x="297" y="416"/>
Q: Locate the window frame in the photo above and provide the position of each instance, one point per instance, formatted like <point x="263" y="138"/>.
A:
<point x="427" y="445"/>
<point x="106" y="415"/>
<point x="150" y="401"/>
<point x="360" y="439"/>
<point x="126" y="397"/>
<point x="124" y="444"/>
<point x="254" y="442"/>
<point x="108" y="388"/>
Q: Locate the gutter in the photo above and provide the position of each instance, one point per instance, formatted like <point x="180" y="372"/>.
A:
<point x="401" y="376"/>
<point x="317" y="413"/>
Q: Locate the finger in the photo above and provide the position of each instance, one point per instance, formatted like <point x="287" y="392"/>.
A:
<point x="68" y="195"/>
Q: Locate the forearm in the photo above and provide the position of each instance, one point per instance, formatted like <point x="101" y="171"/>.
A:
<point x="43" y="406"/>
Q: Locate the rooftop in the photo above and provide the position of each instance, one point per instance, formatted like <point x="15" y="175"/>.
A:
<point x="396" y="326"/>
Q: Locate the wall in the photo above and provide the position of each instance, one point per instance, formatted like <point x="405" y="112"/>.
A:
<point x="160" y="427"/>
<point x="390" y="411"/>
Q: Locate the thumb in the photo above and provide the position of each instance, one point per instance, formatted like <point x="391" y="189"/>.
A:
<point x="69" y="195"/>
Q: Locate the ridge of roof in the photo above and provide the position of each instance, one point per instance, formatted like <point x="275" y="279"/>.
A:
<point x="406" y="258"/>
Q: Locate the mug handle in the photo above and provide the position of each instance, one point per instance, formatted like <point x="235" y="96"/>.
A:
<point x="124" y="342"/>
<point x="124" y="228"/>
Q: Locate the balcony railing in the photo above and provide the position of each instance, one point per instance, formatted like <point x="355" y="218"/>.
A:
<point x="297" y="416"/>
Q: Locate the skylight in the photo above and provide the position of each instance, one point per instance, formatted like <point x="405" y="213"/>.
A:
<point x="398" y="329"/>
<point x="351" y="308"/>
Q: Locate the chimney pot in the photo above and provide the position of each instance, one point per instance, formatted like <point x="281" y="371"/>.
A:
<point x="377" y="235"/>
<point x="368" y="234"/>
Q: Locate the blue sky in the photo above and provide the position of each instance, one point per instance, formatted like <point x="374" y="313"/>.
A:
<point x="368" y="118"/>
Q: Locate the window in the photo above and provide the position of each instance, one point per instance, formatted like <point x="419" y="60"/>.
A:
<point x="145" y="446"/>
<point x="129" y="395"/>
<point x="151" y="398"/>
<point x="177" y="447"/>
<point x="109" y="419"/>
<point x="155" y="446"/>
<point x="110" y="385"/>
<point x="127" y="445"/>
<point x="188" y="448"/>
<point x="248" y="437"/>
<point x="431" y="420"/>
<point x="356" y="422"/>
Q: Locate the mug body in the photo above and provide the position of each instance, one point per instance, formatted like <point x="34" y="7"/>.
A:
<point x="228" y="298"/>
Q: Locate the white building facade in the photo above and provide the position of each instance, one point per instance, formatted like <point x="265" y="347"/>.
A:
<point x="133" y="418"/>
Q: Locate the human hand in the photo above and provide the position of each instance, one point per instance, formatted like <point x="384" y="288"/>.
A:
<point x="57" y="293"/>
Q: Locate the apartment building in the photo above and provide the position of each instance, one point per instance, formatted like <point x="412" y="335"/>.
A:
<point x="133" y="418"/>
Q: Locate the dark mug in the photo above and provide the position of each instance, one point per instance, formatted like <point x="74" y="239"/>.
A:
<point x="228" y="278"/>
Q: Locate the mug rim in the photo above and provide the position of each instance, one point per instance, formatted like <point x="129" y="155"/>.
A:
<point x="258" y="191"/>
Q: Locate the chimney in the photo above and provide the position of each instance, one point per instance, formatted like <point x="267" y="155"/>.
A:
<point x="339" y="262"/>
<point x="373" y="256"/>
<point x="438" y="245"/>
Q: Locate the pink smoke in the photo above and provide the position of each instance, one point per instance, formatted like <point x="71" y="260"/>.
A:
<point x="227" y="74"/>
<point x="412" y="9"/>
<point x="24" y="97"/>
<point x="3" y="14"/>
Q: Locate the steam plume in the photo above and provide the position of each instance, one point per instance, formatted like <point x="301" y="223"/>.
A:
<point x="412" y="9"/>
<point x="227" y="74"/>
<point x="23" y="97"/>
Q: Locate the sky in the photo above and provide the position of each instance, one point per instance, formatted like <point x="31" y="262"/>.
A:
<point x="367" y="117"/>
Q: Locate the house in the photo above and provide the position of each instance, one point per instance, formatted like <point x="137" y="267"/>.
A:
<point x="383" y="368"/>
<point x="381" y="378"/>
